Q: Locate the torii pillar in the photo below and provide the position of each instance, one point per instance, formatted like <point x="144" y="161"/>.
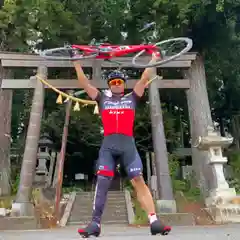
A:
<point x="23" y="205"/>
<point x="166" y="203"/>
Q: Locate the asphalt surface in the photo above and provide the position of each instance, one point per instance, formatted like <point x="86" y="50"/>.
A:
<point x="224" y="232"/>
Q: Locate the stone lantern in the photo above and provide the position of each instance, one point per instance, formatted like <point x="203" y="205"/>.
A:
<point x="213" y="143"/>
<point x="44" y="156"/>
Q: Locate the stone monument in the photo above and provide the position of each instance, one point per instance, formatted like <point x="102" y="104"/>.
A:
<point x="45" y="161"/>
<point x="220" y="196"/>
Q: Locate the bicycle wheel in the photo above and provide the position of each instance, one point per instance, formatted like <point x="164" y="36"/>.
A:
<point x="185" y="44"/>
<point x="66" y="53"/>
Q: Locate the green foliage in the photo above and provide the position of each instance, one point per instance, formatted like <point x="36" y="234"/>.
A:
<point x="143" y="128"/>
<point x="173" y="165"/>
<point x="84" y="127"/>
<point x="234" y="162"/>
<point x="72" y="189"/>
<point x="15" y="184"/>
<point x="186" y="186"/>
<point x="192" y="193"/>
<point x="127" y="185"/>
<point x="213" y="26"/>
<point x="140" y="215"/>
<point x="6" y="202"/>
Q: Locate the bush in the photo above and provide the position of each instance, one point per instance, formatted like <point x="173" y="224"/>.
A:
<point x="6" y="202"/>
<point x="140" y="215"/>
<point x="15" y="184"/>
<point x="66" y="190"/>
<point x="234" y="162"/>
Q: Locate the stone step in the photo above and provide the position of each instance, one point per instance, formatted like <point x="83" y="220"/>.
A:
<point x="120" y="198"/>
<point x="18" y="223"/>
<point x="108" y="208"/>
<point x="89" y="194"/>
<point x="115" y="209"/>
<point x="229" y="213"/>
<point x="84" y="205"/>
<point x="91" y="200"/>
<point x="106" y="217"/>
<point x="110" y="192"/>
<point x="90" y="203"/>
<point x="82" y="200"/>
<point x="235" y="200"/>
<point x="113" y="222"/>
<point x="107" y="211"/>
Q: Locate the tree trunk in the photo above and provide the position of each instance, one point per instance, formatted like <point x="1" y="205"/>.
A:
<point x="5" y="136"/>
<point x="200" y="118"/>
<point x="222" y="127"/>
<point x="235" y="130"/>
<point x="31" y="148"/>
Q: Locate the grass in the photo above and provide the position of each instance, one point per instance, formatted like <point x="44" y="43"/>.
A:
<point x="140" y="215"/>
<point x="6" y="202"/>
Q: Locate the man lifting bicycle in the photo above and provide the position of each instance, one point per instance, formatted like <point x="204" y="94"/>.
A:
<point x="118" y="114"/>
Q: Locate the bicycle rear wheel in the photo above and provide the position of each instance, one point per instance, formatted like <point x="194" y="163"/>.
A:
<point x="67" y="53"/>
<point x="185" y="44"/>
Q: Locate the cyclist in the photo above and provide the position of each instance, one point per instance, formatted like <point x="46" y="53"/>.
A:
<point x="118" y="113"/>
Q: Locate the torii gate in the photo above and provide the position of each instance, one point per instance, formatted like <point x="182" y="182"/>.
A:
<point x="193" y="81"/>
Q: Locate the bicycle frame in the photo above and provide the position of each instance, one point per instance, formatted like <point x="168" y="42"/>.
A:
<point x="116" y="50"/>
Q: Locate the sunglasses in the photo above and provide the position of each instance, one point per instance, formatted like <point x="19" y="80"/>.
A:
<point x="116" y="82"/>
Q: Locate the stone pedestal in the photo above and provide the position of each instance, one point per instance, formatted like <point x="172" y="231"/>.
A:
<point x="42" y="166"/>
<point x="222" y="190"/>
<point x="22" y="209"/>
<point x="166" y="206"/>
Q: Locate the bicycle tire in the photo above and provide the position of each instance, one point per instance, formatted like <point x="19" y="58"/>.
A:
<point x="161" y="62"/>
<point x="49" y="54"/>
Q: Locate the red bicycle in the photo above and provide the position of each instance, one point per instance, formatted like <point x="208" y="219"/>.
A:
<point x="108" y="52"/>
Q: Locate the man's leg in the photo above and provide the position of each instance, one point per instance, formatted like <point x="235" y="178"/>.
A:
<point x="133" y="166"/>
<point x="105" y="173"/>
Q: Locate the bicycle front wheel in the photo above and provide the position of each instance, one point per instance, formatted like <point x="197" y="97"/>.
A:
<point x="170" y="49"/>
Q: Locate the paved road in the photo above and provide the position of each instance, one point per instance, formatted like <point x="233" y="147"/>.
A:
<point x="229" y="232"/>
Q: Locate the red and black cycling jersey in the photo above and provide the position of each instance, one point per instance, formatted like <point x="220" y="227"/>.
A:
<point x="117" y="113"/>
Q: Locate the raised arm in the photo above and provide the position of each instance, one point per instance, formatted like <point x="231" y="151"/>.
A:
<point x="92" y="91"/>
<point x="146" y="76"/>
